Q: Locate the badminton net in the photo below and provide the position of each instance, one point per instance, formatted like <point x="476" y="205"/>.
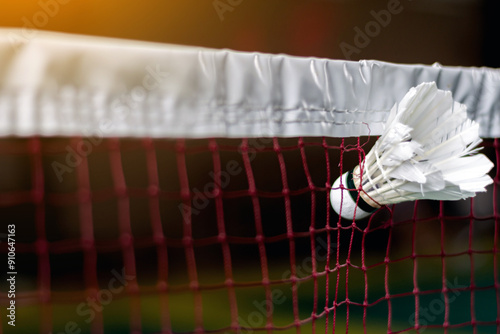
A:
<point x="228" y="236"/>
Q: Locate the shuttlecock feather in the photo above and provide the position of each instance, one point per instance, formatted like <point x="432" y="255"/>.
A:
<point x="428" y="151"/>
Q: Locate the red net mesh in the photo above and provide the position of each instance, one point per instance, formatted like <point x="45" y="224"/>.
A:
<point x="234" y="236"/>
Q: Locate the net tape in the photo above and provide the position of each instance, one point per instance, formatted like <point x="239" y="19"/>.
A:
<point x="67" y="85"/>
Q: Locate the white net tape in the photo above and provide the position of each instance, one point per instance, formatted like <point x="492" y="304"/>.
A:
<point x="58" y="84"/>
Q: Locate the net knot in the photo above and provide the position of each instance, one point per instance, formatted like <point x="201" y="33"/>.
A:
<point x="153" y="191"/>
<point x="187" y="241"/>
<point x="195" y="286"/>
<point x="87" y="244"/>
<point x="162" y="286"/>
<point x="37" y="195"/>
<point x="229" y="282"/>
<point x="42" y="246"/>
<point x="159" y="239"/>
<point x="126" y="240"/>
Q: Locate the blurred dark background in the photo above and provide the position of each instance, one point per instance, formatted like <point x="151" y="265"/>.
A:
<point x="451" y="32"/>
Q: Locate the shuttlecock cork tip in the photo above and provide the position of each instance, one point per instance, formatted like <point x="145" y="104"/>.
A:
<point x="348" y="200"/>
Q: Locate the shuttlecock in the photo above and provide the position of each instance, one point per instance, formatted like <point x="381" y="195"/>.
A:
<point x="428" y="151"/>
